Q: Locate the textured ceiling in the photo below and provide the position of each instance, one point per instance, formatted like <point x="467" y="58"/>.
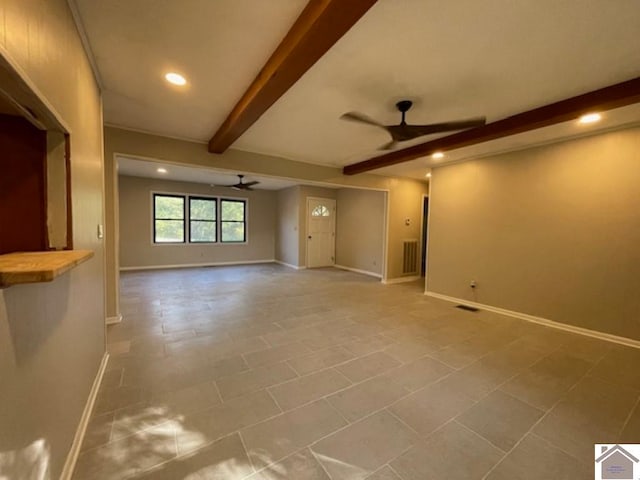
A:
<point x="454" y="59"/>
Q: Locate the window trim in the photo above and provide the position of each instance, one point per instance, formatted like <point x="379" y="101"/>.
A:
<point x="215" y="221"/>
<point x="183" y="219"/>
<point x="244" y="220"/>
<point x="186" y="221"/>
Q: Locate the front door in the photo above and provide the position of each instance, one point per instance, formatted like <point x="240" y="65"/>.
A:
<point x="321" y="232"/>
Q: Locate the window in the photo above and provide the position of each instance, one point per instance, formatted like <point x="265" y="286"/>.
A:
<point x="168" y="218"/>
<point x="320" y="211"/>
<point x="202" y="220"/>
<point x="233" y="221"/>
<point x="195" y="219"/>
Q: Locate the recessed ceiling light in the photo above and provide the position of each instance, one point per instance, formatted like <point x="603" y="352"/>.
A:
<point x="437" y="155"/>
<point x="175" y="78"/>
<point x="161" y="170"/>
<point x="590" y="118"/>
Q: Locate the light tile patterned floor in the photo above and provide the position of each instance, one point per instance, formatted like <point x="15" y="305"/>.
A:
<point x="267" y="373"/>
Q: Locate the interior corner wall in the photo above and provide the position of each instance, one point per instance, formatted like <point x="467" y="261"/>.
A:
<point x="136" y="243"/>
<point x="287" y="218"/>
<point x="304" y="192"/>
<point x="404" y="222"/>
<point x="52" y="335"/>
<point x="360" y="227"/>
<point x="111" y="237"/>
<point x="552" y="232"/>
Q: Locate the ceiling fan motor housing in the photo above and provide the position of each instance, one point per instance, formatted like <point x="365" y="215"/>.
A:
<point x="404" y="105"/>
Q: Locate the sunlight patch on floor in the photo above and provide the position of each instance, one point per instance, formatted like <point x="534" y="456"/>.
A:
<point x="28" y="463"/>
<point x="340" y="469"/>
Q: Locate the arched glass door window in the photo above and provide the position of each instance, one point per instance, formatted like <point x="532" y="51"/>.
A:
<point x="320" y="211"/>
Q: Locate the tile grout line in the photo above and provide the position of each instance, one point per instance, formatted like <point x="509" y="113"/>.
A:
<point x="315" y="456"/>
<point x="266" y="388"/>
<point x="215" y="386"/>
<point x="337" y="411"/>
<point x="274" y="400"/>
<point x="480" y="436"/>
<point x="351" y="382"/>
<point x="538" y="422"/>
<point x="394" y="470"/>
<point x="246" y="451"/>
<point x="626" y="422"/>
<point x="421" y="436"/>
<point x="553" y="445"/>
<point x="393" y="460"/>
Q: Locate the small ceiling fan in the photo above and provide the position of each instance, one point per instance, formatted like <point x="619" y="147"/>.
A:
<point x="404" y="131"/>
<point x="241" y="185"/>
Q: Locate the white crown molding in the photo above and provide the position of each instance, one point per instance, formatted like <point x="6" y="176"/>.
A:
<point x="86" y="44"/>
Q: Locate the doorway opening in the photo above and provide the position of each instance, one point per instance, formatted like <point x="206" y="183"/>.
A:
<point x="425" y="226"/>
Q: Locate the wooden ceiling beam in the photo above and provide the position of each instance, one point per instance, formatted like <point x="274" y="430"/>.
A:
<point x="614" y="96"/>
<point x="320" y="25"/>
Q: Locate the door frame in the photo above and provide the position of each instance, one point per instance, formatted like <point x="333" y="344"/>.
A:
<point x="425" y="241"/>
<point x="306" y="236"/>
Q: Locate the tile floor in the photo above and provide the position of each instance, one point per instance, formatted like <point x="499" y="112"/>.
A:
<point x="266" y="373"/>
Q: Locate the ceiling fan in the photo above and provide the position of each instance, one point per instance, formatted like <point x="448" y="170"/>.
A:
<point x="404" y="131"/>
<point x="241" y="185"/>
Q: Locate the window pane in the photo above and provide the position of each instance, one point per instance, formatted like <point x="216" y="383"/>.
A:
<point x="320" y="211"/>
<point x="233" y="232"/>
<point x="203" y="231"/>
<point x="232" y="210"/>
<point x="169" y="231"/>
<point x="169" y="207"/>
<point x="202" y="209"/>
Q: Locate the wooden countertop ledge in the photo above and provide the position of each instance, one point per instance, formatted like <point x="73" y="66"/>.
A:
<point x="36" y="267"/>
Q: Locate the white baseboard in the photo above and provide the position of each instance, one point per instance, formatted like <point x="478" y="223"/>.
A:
<point x="114" y="320"/>
<point x="72" y="457"/>
<point x="295" y="267"/>
<point x="629" y="342"/>
<point x="357" y="270"/>
<point x="196" y="265"/>
<point x="391" y="281"/>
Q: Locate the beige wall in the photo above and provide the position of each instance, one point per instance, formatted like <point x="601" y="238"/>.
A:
<point x="552" y="232"/>
<point x="360" y="229"/>
<point x="405" y="204"/>
<point x="52" y="334"/>
<point x="405" y="195"/>
<point x="287" y="226"/>
<point x="112" y="238"/>
<point x="138" y="250"/>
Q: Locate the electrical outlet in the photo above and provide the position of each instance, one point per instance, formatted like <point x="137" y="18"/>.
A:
<point x="473" y="284"/>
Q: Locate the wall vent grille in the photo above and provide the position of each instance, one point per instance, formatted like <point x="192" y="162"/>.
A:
<point x="410" y="257"/>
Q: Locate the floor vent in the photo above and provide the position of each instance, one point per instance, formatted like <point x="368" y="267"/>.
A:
<point x="467" y="308"/>
<point x="410" y="257"/>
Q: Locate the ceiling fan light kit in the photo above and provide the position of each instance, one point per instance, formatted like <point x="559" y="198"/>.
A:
<point x="405" y="131"/>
